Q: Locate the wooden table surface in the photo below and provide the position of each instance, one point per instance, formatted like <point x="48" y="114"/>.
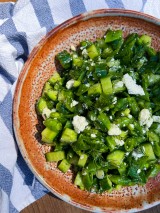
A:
<point x="50" y="204"/>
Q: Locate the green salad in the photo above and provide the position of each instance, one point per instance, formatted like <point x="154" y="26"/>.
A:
<point x="102" y="112"/>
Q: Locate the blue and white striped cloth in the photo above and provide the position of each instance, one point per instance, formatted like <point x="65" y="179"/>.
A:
<point x="22" y="25"/>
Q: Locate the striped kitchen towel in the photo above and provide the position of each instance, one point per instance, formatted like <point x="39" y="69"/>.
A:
<point x="22" y="25"/>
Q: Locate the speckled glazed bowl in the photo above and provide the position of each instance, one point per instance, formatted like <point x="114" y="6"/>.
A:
<point x="37" y="70"/>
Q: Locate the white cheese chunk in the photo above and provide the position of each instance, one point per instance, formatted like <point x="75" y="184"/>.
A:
<point x="132" y="87"/>
<point x="84" y="53"/>
<point x="156" y="118"/>
<point x="114" y="101"/>
<point x="74" y="103"/>
<point x="69" y="84"/>
<point x="119" y="84"/>
<point x="79" y="123"/>
<point x="114" y="130"/>
<point x="93" y="136"/>
<point x="119" y="142"/>
<point x="145" y="118"/>
<point x="137" y="155"/>
<point x="46" y="112"/>
<point x="73" y="48"/>
<point x="138" y="171"/>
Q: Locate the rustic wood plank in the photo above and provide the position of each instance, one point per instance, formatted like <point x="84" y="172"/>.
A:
<point x="49" y="204"/>
<point x="8" y="0"/>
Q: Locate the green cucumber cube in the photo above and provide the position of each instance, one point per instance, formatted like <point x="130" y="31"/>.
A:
<point x="116" y="158"/>
<point x="54" y="78"/>
<point x="41" y="104"/>
<point x="68" y="136"/>
<point x="78" y="181"/>
<point x="106" y="86"/>
<point x="95" y="89"/>
<point x="92" y="51"/>
<point x="55" y="156"/>
<point x="48" y="135"/>
<point x="82" y="160"/>
<point x="64" y="165"/>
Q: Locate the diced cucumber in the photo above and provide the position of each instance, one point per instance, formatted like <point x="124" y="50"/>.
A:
<point x="48" y="135"/>
<point x="105" y="184"/>
<point x="53" y="124"/>
<point x="65" y="59"/>
<point x="148" y="151"/>
<point x="92" y="51"/>
<point x="145" y="39"/>
<point x="95" y="89"/>
<point x="77" y="61"/>
<point x="113" y="35"/>
<point x="100" y="70"/>
<point x="87" y="180"/>
<point x="119" y="180"/>
<point x="52" y="94"/>
<point x="78" y="181"/>
<point x="154" y="170"/>
<point x="65" y="95"/>
<point x="46" y="87"/>
<point x="122" y="169"/>
<point x="55" y="156"/>
<point x="68" y="125"/>
<point x="41" y="104"/>
<point x="64" y="165"/>
<point x="76" y="83"/>
<point x="111" y="142"/>
<point x="116" y="157"/>
<point x="104" y="121"/>
<point x="55" y="115"/>
<point x="68" y="136"/>
<point x="54" y="78"/>
<point x="151" y="52"/>
<point x="106" y="85"/>
<point x="82" y="160"/>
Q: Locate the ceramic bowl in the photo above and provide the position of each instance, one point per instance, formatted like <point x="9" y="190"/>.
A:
<point x="36" y="71"/>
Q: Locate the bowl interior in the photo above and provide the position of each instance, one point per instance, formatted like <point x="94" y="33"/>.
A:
<point x="39" y="67"/>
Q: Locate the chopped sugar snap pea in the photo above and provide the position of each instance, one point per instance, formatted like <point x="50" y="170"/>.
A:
<point x="101" y="113"/>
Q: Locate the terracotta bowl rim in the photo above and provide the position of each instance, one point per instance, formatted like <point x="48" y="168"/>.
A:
<point x="23" y="74"/>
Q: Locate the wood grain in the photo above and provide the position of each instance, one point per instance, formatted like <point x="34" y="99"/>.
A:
<point x="50" y="204"/>
<point x="7" y="0"/>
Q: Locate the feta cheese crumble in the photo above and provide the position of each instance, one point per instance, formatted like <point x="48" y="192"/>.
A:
<point x="132" y="87"/>
<point x="129" y="116"/>
<point x="138" y="171"/>
<point x="69" y="84"/>
<point x="93" y="136"/>
<point x="87" y="85"/>
<point x="84" y="52"/>
<point x="114" y="101"/>
<point x="145" y="118"/>
<point x="137" y="155"/>
<point x="131" y="126"/>
<point x="73" y="48"/>
<point x="156" y="118"/>
<point x="46" y="112"/>
<point x="79" y="123"/>
<point x="119" y="84"/>
<point x="114" y="130"/>
<point x="74" y="103"/>
<point x="119" y="142"/>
